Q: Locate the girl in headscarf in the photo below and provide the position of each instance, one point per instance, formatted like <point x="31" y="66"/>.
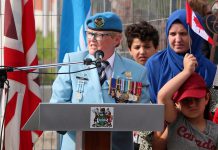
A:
<point x="167" y="63"/>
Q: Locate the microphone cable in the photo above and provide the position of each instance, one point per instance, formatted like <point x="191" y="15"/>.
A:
<point x="11" y="69"/>
<point x="7" y="95"/>
<point x="86" y="62"/>
<point x="58" y="72"/>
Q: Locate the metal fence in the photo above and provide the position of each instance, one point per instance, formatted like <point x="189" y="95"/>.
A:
<point x="47" y="21"/>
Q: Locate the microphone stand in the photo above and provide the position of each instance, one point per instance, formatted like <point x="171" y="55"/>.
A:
<point x="5" y="70"/>
<point x="44" y="66"/>
<point x="3" y="78"/>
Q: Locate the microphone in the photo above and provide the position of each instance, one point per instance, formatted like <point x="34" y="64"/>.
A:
<point x="99" y="55"/>
<point x="87" y="61"/>
<point x="3" y="75"/>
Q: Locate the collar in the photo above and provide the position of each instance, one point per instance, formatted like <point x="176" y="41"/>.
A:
<point x="110" y="68"/>
<point x="111" y="60"/>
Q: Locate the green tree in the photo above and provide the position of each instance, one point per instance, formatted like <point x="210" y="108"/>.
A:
<point x="47" y="54"/>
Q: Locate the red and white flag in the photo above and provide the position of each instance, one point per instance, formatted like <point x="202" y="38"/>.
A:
<point x="24" y="92"/>
<point x="195" y="24"/>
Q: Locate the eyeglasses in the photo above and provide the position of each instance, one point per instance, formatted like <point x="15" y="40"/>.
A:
<point x="97" y="36"/>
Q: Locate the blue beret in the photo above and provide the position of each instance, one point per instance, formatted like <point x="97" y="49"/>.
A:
<point x="106" y="21"/>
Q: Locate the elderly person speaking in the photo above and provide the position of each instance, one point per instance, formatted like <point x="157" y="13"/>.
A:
<point x="104" y="33"/>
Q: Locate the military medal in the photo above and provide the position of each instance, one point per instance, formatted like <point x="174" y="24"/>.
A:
<point x="124" y="96"/>
<point x="133" y="91"/>
<point x="78" y="96"/>
<point x="134" y="86"/>
<point x="129" y="90"/>
<point x="122" y="84"/>
<point x="128" y="75"/>
<point x="109" y="86"/>
<point x="112" y="87"/>
<point x="118" y="84"/>
<point x="80" y="88"/>
<point x="139" y="88"/>
<point x="124" y="91"/>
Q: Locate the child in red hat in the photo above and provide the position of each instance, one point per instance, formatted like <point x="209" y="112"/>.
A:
<point x="186" y="99"/>
<point x="215" y="117"/>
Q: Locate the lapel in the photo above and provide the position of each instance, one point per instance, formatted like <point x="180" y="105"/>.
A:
<point x="118" y="70"/>
<point x="119" y="67"/>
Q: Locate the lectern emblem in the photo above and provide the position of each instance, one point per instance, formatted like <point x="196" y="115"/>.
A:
<point x="101" y="117"/>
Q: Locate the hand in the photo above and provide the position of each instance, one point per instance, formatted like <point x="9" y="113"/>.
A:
<point x="190" y="63"/>
<point x="135" y="133"/>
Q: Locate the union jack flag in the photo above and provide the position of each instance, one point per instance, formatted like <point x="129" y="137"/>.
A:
<point x="24" y="93"/>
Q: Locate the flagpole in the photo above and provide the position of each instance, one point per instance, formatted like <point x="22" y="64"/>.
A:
<point x="3" y="103"/>
<point x="189" y="41"/>
<point x="3" y="79"/>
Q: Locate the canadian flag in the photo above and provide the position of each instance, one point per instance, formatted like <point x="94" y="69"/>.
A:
<point x="195" y="24"/>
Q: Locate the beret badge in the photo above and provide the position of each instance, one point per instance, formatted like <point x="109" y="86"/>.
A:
<point x="99" y="22"/>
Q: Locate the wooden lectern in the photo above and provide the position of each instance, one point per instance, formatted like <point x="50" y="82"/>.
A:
<point x="81" y="117"/>
<point x="93" y="138"/>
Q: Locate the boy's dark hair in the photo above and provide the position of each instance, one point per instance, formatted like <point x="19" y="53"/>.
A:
<point x="142" y="30"/>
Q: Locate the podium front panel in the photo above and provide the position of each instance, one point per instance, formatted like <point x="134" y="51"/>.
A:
<point x="126" y="117"/>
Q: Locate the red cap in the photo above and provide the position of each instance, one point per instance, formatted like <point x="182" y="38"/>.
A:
<point x="194" y="87"/>
<point x="215" y="117"/>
